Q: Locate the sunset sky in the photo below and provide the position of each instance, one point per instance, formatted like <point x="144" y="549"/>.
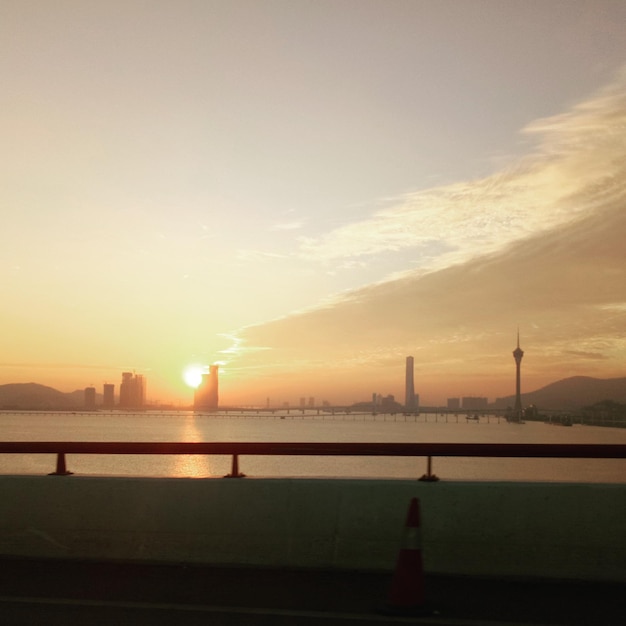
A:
<point x="308" y="192"/>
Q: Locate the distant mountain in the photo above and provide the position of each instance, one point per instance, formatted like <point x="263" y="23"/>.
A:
<point x="571" y="393"/>
<point x="38" y="397"/>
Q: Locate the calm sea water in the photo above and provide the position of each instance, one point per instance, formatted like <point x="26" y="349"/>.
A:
<point x="305" y="427"/>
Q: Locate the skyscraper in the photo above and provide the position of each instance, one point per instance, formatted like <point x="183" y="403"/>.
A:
<point x="108" y="396"/>
<point x="90" y="398"/>
<point x="206" y="396"/>
<point x="409" y="393"/>
<point x="518" y="354"/>
<point x="132" y="391"/>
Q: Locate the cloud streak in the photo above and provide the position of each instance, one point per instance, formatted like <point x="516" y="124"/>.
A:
<point x="539" y="245"/>
<point x="294" y="225"/>
<point x="577" y="165"/>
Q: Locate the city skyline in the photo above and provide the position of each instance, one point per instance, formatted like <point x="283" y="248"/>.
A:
<point x="206" y="394"/>
<point x="304" y="193"/>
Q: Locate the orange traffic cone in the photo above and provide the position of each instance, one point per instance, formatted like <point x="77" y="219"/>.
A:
<point x="406" y="596"/>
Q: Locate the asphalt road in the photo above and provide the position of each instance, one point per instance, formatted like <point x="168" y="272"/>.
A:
<point x="67" y="592"/>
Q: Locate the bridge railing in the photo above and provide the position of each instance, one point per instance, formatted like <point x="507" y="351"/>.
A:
<point x="236" y="449"/>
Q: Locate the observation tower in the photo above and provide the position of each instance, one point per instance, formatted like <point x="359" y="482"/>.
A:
<point x="518" y="354"/>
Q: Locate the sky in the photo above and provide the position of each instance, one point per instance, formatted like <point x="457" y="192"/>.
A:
<point x="308" y="192"/>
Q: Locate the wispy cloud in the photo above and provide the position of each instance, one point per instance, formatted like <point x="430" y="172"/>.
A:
<point x="292" y="225"/>
<point x="539" y="245"/>
<point x="619" y="307"/>
<point x="257" y="255"/>
<point x="580" y="354"/>
<point x="59" y="365"/>
<point x="578" y="162"/>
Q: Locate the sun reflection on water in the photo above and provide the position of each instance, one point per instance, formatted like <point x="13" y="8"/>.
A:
<point x="191" y="465"/>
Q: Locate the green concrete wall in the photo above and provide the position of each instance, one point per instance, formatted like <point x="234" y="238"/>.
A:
<point x="542" y="530"/>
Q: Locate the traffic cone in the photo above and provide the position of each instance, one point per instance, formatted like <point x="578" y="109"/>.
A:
<point x="406" y="596"/>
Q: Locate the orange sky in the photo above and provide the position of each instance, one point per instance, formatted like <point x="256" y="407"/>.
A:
<point x="307" y="193"/>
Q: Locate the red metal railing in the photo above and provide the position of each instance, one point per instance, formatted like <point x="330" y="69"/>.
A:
<point x="235" y="449"/>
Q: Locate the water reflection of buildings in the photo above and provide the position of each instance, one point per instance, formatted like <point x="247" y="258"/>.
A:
<point x="132" y="391"/>
<point x="206" y="395"/>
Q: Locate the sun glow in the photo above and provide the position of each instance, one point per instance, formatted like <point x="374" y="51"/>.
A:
<point x="192" y="375"/>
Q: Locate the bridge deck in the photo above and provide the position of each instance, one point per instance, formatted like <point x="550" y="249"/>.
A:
<point x="92" y="593"/>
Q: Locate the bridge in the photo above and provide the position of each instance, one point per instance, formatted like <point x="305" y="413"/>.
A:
<point x="306" y="551"/>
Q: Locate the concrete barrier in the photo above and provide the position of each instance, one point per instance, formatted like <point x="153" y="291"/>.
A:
<point x="543" y="530"/>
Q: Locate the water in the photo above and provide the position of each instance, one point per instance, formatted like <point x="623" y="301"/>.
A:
<point x="305" y="427"/>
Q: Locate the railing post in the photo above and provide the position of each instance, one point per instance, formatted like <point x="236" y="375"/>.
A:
<point x="234" y="468"/>
<point x="61" y="470"/>
<point x="429" y="476"/>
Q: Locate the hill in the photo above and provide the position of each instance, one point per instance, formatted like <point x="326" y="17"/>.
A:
<point x="38" y="397"/>
<point x="571" y="393"/>
<point x="568" y="394"/>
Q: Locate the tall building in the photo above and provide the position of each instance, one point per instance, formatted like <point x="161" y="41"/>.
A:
<point x="388" y="401"/>
<point x="206" y="396"/>
<point x="409" y="393"/>
<point x="132" y="391"/>
<point x="518" y="354"/>
<point x="108" y="396"/>
<point x="454" y="403"/>
<point x="90" y="398"/>
<point x="471" y="403"/>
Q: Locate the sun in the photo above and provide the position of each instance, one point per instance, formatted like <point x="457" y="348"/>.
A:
<point x="192" y="375"/>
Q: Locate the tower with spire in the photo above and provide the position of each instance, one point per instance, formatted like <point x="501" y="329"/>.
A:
<point x="518" y="354"/>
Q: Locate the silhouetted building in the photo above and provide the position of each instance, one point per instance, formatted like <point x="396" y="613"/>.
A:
<point x="132" y="391"/>
<point x="454" y="403"/>
<point x="409" y="388"/>
<point x="518" y="354"/>
<point x="471" y="403"/>
<point x="90" y="398"/>
<point x="206" y="395"/>
<point x="108" y="396"/>
<point x="387" y="401"/>
<point x="380" y="403"/>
